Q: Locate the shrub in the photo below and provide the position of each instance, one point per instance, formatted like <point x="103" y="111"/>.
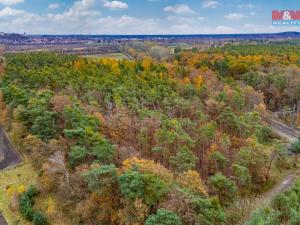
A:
<point x="265" y="216"/>
<point x="294" y="217"/>
<point x="155" y="189"/>
<point x="102" y="178"/>
<point x="103" y="151"/>
<point x="44" y="126"/>
<point x="285" y="203"/>
<point x="242" y="175"/>
<point x="184" y="160"/>
<point x="209" y="211"/>
<point x="26" y="207"/>
<point x="218" y="159"/>
<point x="192" y="181"/>
<point x="296" y="147"/>
<point x="163" y="217"/>
<point x="132" y="184"/>
<point x="39" y="218"/>
<point x="32" y="191"/>
<point x="223" y="187"/>
<point x="26" y="202"/>
<point x="77" y="155"/>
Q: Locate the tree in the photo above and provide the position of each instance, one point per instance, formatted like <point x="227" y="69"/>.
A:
<point x="279" y="151"/>
<point x="134" y="212"/>
<point x="296" y="150"/>
<point x="77" y="155"/>
<point x="104" y="202"/>
<point x="192" y="181"/>
<point x="223" y="187"/>
<point x="101" y="179"/>
<point x="184" y="160"/>
<point x="163" y="217"/>
<point x="3" y="110"/>
<point x="254" y="157"/>
<point x="241" y="175"/>
<point x="56" y="165"/>
<point x="154" y="190"/>
<point x="103" y="151"/>
<point x="170" y="137"/>
<point x="178" y="201"/>
<point x="218" y="161"/>
<point x="132" y="184"/>
<point x="229" y="121"/>
<point x="209" y="211"/>
<point x="44" y="126"/>
<point x="149" y="166"/>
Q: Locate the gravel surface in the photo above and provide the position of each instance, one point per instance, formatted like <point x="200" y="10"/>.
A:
<point x="8" y="156"/>
<point x="2" y="220"/>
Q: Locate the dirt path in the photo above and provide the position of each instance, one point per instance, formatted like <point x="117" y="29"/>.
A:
<point x="2" y="220"/>
<point x="8" y="156"/>
<point x="285" y="184"/>
<point x="266" y="198"/>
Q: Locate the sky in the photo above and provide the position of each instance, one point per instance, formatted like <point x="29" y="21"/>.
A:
<point x="142" y="16"/>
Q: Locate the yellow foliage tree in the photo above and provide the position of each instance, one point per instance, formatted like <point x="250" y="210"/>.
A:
<point x="146" y="63"/>
<point x="192" y="180"/>
<point x="198" y="81"/>
<point x="149" y="166"/>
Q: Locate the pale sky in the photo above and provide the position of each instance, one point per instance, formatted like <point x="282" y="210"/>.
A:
<point x="142" y="16"/>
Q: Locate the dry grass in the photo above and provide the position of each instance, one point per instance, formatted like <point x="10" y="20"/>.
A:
<point x="15" y="180"/>
<point x="240" y="210"/>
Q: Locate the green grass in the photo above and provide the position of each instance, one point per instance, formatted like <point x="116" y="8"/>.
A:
<point x="15" y="180"/>
<point x="240" y="210"/>
<point x="107" y="55"/>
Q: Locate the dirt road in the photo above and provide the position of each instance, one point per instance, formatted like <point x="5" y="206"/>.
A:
<point x="8" y="156"/>
<point x="2" y="220"/>
<point x="267" y="198"/>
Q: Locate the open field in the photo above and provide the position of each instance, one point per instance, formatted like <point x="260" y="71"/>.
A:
<point x="107" y="55"/>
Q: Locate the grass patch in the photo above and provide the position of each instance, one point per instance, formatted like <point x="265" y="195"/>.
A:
<point x="107" y="55"/>
<point x="18" y="180"/>
<point x="240" y="210"/>
<point x="15" y="180"/>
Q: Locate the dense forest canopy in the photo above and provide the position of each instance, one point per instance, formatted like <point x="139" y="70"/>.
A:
<point x="145" y="142"/>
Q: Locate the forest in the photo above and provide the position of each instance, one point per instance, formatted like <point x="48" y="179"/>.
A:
<point x="175" y="140"/>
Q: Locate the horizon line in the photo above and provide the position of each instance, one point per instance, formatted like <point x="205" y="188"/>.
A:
<point x="213" y="34"/>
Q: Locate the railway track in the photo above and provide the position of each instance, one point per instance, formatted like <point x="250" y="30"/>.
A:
<point x="283" y="130"/>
